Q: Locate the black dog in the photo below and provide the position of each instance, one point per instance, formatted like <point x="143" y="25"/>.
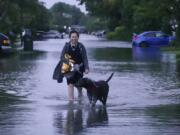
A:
<point x="96" y="90"/>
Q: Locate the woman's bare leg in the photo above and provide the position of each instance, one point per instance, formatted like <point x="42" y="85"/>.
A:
<point x="80" y="94"/>
<point x="70" y="92"/>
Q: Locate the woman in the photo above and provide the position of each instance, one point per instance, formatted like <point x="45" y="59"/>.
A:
<point x="77" y="53"/>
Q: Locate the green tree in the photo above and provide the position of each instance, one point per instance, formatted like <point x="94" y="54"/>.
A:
<point x="18" y="14"/>
<point x="66" y="15"/>
<point x="95" y="23"/>
<point x="135" y="15"/>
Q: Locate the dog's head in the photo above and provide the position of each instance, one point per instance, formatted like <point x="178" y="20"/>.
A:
<point x="84" y="82"/>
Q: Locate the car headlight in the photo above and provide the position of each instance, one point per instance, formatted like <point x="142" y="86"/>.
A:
<point x="5" y="42"/>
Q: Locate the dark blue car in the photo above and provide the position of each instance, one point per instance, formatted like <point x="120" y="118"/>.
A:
<point x="152" y="38"/>
<point x="4" y="40"/>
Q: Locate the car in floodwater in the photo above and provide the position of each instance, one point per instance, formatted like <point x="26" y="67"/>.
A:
<point x="4" y="40"/>
<point x="152" y="38"/>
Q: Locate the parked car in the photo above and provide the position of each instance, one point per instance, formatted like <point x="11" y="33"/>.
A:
<point x="4" y="40"/>
<point x="152" y="38"/>
<point x="101" y="33"/>
<point x="53" y="34"/>
<point x="39" y="35"/>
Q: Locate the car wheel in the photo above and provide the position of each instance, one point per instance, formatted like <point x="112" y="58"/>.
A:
<point x="133" y="44"/>
<point x="143" y="44"/>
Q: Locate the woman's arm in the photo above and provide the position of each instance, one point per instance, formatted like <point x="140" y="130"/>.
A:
<point x="85" y="59"/>
<point x="63" y="51"/>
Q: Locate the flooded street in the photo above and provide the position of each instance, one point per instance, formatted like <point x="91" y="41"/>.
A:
<point x="144" y="97"/>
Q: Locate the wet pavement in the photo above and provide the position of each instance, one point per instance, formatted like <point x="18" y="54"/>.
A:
<point x="144" y="92"/>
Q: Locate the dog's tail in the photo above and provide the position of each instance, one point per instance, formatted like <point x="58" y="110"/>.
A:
<point x="109" y="77"/>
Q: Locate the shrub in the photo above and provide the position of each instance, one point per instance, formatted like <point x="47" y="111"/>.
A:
<point x="120" y="33"/>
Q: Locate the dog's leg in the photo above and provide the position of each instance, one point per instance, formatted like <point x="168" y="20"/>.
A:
<point x="104" y="97"/>
<point x="89" y="94"/>
<point x="94" y="100"/>
<point x="103" y="101"/>
<point x="80" y="94"/>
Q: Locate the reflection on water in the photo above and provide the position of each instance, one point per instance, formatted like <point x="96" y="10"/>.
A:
<point x="7" y="99"/>
<point x="146" y="54"/>
<point x="143" y="99"/>
<point x="178" y="69"/>
<point x="165" y="117"/>
<point x="97" y="116"/>
<point x="74" y="121"/>
<point x="112" y="54"/>
<point x="71" y="123"/>
<point x="165" y="113"/>
<point x="17" y="70"/>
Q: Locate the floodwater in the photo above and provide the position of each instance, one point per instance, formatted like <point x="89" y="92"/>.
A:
<point x="144" y="97"/>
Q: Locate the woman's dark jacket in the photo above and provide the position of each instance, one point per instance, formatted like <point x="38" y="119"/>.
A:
<point x="57" y="75"/>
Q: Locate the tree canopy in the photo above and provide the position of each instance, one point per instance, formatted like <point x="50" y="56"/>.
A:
<point x="18" y="14"/>
<point x="64" y="15"/>
<point x="122" y="16"/>
<point x="136" y="15"/>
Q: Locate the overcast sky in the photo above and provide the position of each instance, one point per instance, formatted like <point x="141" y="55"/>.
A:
<point x="49" y="3"/>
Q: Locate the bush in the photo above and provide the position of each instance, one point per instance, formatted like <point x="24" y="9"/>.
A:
<point x="120" y="33"/>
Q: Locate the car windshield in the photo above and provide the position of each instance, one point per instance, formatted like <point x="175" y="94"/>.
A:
<point x="149" y="35"/>
<point x="160" y="34"/>
<point x="3" y="36"/>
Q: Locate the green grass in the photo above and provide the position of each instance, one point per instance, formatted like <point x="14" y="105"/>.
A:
<point x="173" y="49"/>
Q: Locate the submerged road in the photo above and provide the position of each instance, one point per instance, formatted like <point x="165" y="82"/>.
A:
<point x="144" y="92"/>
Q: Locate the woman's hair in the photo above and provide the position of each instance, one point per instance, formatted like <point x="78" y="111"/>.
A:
<point x="73" y="31"/>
